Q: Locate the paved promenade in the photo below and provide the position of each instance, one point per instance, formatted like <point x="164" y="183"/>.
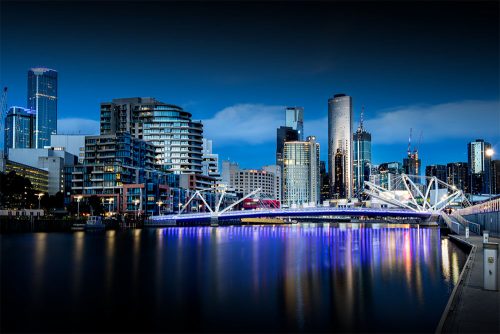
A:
<point x="473" y="309"/>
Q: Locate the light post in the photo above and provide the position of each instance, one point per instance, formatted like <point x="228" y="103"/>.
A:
<point x="78" y="198"/>
<point x="159" y="206"/>
<point x="199" y="207"/>
<point x="489" y="153"/>
<point x="110" y="200"/>
<point x="136" y="202"/>
<point x="179" y="210"/>
<point x="39" y="197"/>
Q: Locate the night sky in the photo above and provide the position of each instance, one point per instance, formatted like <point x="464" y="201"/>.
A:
<point x="432" y="66"/>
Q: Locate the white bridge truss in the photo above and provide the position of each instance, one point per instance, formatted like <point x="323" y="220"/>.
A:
<point x="405" y="193"/>
<point x="217" y="210"/>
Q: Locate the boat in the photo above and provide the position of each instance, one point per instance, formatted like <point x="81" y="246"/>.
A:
<point x="262" y="221"/>
<point x="94" y="223"/>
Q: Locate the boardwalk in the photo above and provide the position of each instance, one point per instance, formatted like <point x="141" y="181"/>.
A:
<point x="473" y="309"/>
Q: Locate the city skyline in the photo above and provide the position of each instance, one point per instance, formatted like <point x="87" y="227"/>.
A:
<point x="241" y="109"/>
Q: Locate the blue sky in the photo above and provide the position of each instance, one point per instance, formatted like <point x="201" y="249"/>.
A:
<point x="432" y="66"/>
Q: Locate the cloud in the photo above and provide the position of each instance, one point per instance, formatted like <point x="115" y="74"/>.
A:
<point x="244" y="123"/>
<point x="463" y="119"/>
<point x="82" y="126"/>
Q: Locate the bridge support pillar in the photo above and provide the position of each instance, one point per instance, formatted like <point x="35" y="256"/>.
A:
<point x="214" y="220"/>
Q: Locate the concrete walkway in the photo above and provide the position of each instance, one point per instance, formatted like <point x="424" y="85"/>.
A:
<point x="471" y="308"/>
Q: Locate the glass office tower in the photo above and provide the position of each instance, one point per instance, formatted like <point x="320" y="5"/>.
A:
<point x="42" y="97"/>
<point x="294" y="118"/>
<point x="340" y="142"/>
<point x="19" y="125"/>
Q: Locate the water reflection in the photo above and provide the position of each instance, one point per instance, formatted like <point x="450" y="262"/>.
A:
<point x="304" y="277"/>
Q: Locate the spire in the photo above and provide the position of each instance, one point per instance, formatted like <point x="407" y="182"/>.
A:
<point x="409" y="144"/>
<point x="361" y="118"/>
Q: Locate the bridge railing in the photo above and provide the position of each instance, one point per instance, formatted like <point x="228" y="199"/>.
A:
<point x="489" y="206"/>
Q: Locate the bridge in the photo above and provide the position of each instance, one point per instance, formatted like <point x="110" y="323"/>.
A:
<point x="408" y="200"/>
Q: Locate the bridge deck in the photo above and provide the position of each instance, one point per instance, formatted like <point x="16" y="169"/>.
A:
<point x="301" y="212"/>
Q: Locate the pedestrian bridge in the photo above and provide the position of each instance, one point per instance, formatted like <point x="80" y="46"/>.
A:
<point x="172" y="220"/>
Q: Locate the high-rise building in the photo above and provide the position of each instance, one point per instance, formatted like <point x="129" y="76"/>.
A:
<point x="19" y="126"/>
<point x="385" y="175"/>
<point x="294" y="118"/>
<point x="324" y="182"/>
<point x="495" y="177"/>
<point x="439" y="171"/>
<point x="210" y="161"/>
<point x="411" y="166"/>
<point x="268" y="179"/>
<point x="479" y="166"/>
<point x="283" y="134"/>
<point x="301" y="172"/>
<point x="176" y="138"/>
<point x="340" y="138"/>
<point x="229" y="168"/>
<point x="457" y="175"/>
<point x="42" y="97"/>
<point x="362" y="148"/>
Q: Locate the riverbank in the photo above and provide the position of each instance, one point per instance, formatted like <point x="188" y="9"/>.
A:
<point x="470" y="307"/>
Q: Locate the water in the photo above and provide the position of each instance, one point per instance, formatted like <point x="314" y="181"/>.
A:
<point x="249" y="278"/>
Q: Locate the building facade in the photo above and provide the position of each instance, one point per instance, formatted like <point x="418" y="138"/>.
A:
<point x="362" y="147"/>
<point x="439" y="171"/>
<point x="210" y="161"/>
<point x="268" y="179"/>
<point x="38" y="177"/>
<point x="294" y="118"/>
<point x="457" y="175"/>
<point x="176" y="138"/>
<point x="495" y="177"/>
<point x="340" y="142"/>
<point x="479" y="166"/>
<point x="301" y="173"/>
<point x="42" y="97"/>
<point x="74" y="144"/>
<point x="19" y="127"/>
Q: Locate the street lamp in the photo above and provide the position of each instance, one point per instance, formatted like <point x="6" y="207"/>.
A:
<point x="159" y="205"/>
<point x="489" y="153"/>
<point x="136" y="202"/>
<point x="110" y="200"/>
<point x="178" y="211"/>
<point x="78" y="198"/>
<point x="199" y="207"/>
<point x="39" y="197"/>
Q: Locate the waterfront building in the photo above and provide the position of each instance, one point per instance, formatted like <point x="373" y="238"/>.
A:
<point x="301" y="172"/>
<point x="362" y="147"/>
<point x="340" y="145"/>
<point x="38" y="177"/>
<point x="439" y="171"/>
<point x="112" y="161"/>
<point x="56" y="161"/>
<point x="42" y="97"/>
<point x="479" y="166"/>
<point x="176" y="138"/>
<point x="457" y="175"/>
<point x="294" y="118"/>
<point x="74" y="144"/>
<point x="268" y="179"/>
<point x="19" y="127"/>
<point x="210" y="163"/>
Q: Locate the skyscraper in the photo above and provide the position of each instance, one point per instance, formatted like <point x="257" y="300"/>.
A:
<point x="362" y="147"/>
<point x="457" y="175"/>
<point x="19" y="126"/>
<point x="177" y="139"/>
<point x="340" y="138"/>
<point x="210" y="160"/>
<point x="301" y="172"/>
<point x="42" y="97"/>
<point x="439" y="171"/>
<point x="479" y="166"/>
<point x="495" y="177"/>
<point x="294" y="118"/>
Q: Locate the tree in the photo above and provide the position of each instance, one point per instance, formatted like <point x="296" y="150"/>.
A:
<point x="16" y="192"/>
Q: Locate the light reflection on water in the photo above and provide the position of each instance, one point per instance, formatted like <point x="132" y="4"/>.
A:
<point x="304" y="277"/>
